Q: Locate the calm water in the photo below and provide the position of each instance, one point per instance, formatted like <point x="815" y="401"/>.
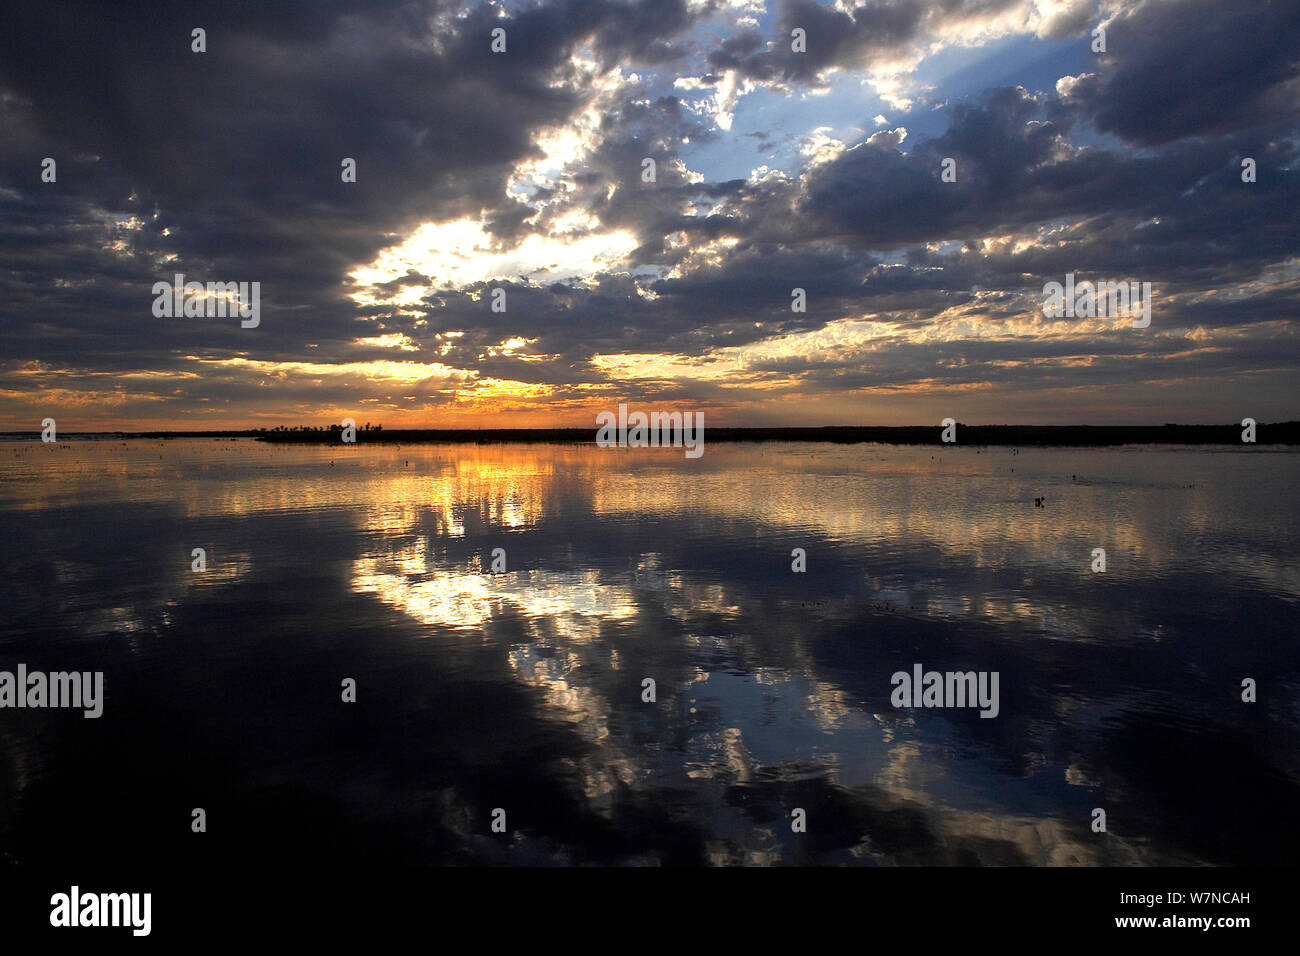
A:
<point x="523" y="690"/>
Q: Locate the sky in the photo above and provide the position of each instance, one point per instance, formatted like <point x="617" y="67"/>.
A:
<point x="796" y="146"/>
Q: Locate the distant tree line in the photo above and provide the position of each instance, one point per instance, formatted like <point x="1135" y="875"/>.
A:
<point x="367" y="427"/>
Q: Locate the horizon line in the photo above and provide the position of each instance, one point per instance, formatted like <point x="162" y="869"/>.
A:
<point x="1234" y="434"/>
<point x="305" y="428"/>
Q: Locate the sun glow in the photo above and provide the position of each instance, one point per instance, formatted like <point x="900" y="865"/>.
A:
<point x="454" y="255"/>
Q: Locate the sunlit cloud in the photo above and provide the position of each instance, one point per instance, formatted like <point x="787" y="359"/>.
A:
<point x="458" y="254"/>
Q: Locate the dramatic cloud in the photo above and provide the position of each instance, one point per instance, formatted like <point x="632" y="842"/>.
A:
<point x="643" y="187"/>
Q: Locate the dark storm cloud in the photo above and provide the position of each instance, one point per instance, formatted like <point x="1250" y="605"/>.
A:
<point x="1169" y="217"/>
<point x="238" y="149"/>
<point x="1196" y="68"/>
<point x="834" y="38"/>
<point x="846" y="39"/>
<point x="225" y="166"/>
<point x="1014" y="168"/>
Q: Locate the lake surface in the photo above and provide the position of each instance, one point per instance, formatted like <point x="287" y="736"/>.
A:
<point x="523" y="690"/>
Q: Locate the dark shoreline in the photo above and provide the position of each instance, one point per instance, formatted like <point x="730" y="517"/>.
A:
<point x="1280" y="433"/>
